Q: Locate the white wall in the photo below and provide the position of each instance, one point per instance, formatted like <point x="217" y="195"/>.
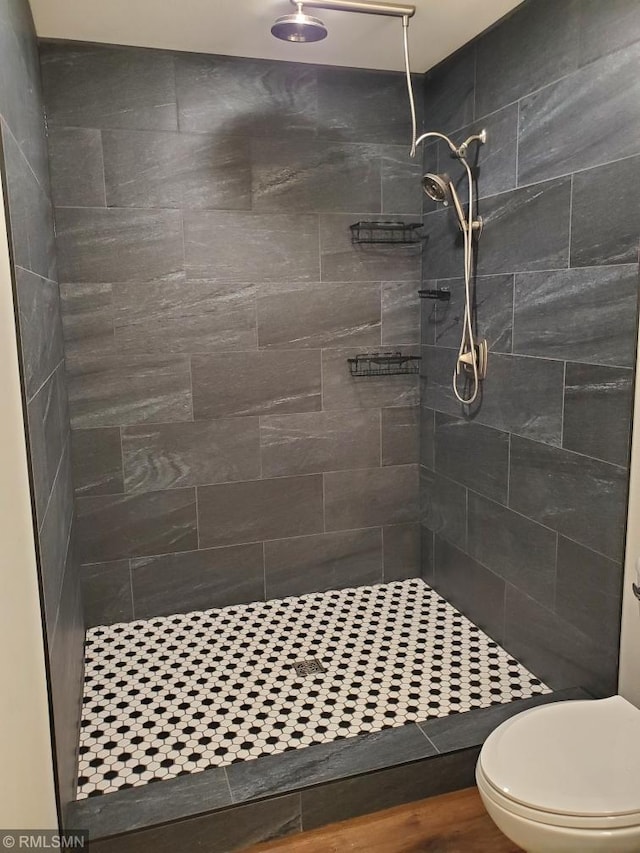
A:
<point x="27" y="798"/>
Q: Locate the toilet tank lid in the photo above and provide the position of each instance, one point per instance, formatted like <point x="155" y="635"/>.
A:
<point x="577" y="758"/>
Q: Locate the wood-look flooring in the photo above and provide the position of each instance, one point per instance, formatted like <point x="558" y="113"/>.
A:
<point x="452" y="823"/>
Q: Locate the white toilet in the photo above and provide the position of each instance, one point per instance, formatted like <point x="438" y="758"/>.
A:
<point x="565" y="777"/>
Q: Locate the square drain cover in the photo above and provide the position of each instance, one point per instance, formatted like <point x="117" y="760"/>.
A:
<point x="308" y="667"/>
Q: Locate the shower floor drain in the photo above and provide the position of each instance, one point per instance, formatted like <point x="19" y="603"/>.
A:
<point x="308" y="667"/>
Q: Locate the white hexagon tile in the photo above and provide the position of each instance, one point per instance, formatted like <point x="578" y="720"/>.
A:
<point x="178" y="694"/>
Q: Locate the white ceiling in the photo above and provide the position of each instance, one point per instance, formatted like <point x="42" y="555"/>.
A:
<point x="242" y="28"/>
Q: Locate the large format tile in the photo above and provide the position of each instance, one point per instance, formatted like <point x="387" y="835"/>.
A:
<point x="256" y="383"/>
<point x="97" y="461"/>
<point x="318" y="176"/>
<point x="327" y="762"/>
<point x="324" y="561"/>
<point x="554" y="650"/>
<point x="474" y="455"/>
<point x="513" y="547"/>
<point x="246" y="246"/>
<point x="401" y="551"/>
<point x="76" y="166"/>
<point x="342" y="260"/>
<point x="119" y="390"/>
<point x="87" y="321"/>
<point x="401" y="190"/>
<point x="319" y="441"/>
<point x="534" y="46"/>
<point x="604" y="205"/>
<point x="400" y="313"/>
<point x="108" y="87"/>
<point x="119" y="526"/>
<point x="40" y="328"/>
<point x="607" y="27"/>
<point x="582" y="498"/>
<point x="427" y="437"/>
<point x="48" y="433"/>
<point x="470" y="587"/>
<point x="245" y="97"/>
<point x="18" y="181"/>
<point x="327" y="316"/>
<point x="588" y="118"/>
<point x="166" y="456"/>
<point x="496" y="160"/>
<point x="597" y="411"/>
<point x="493" y="312"/>
<point x="401" y="435"/>
<point x="234" y="513"/>
<point x="155" y="169"/>
<point x="450" y="91"/>
<point x="520" y="395"/>
<point x="183" y="316"/>
<point x="341" y="391"/>
<point x="586" y="315"/>
<point x="106" y="593"/>
<point x="197" y="580"/>
<point x="371" y="497"/>
<point x="443" y="507"/>
<point x="525" y="229"/>
<point x="108" y="245"/>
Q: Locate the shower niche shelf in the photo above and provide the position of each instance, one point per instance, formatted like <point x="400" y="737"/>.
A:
<point x="383" y="364"/>
<point x="438" y="295"/>
<point x="393" y="232"/>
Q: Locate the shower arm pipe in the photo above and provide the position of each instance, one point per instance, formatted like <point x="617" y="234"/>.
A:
<point x="393" y="10"/>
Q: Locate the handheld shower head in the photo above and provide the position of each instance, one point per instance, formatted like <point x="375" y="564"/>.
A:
<point x="299" y="28"/>
<point x="441" y="189"/>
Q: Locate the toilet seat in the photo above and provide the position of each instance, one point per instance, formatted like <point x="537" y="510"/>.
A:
<point x="569" y="764"/>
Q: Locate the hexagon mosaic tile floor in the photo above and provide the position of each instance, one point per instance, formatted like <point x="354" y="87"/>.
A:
<point x="178" y="694"/>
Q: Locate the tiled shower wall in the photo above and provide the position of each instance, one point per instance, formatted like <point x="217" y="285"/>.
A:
<point x="525" y="498"/>
<point x="211" y="297"/>
<point x="25" y="174"/>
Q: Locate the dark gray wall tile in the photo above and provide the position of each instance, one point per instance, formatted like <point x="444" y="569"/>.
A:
<point x="513" y="547"/>
<point x="183" y="316"/>
<point x="260" y="509"/>
<point x="604" y="229"/>
<point x="520" y="395"/>
<point x="48" y="425"/>
<point x="327" y="316"/>
<point x="427" y="554"/>
<point x="40" y="328"/>
<point x="77" y="170"/>
<point x="371" y="497"/>
<point x="97" y="461"/>
<point x="525" y="229"/>
<point x="197" y="580"/>
<point x="400" y="435"/>
<point x="555" y="651"/>
<point x="400" y="313"/>
<point x="443" y="507"/>
<point x="167" y="456"/>
<point x="152" y="169"/>
<point x="495" y="161"/>
<point x="319" y="441"/>
<point x="401" y="190"/>
<point x="108" y="87"/>
<point x="98" y="245"/>
<point x="584" y="315"/>
<point x="427" y="437"/>
<point x="401" y="551"/>
<point x="246" y="98"/>
<point x="112" y="527"/>
<point x="588" y="593"/>
<point x="450" y="92"/>
<point x="474" y="455"/>
<point x="536" y="44"/>
<point x="588" y="118"/>
<point x="341" y="260"/>
<point x="325" y="561"/>
<point x="597" y="411"/>
<point x="239" y="246"/>
<point x="18" y="190"/>
<point x="318" y="176"/>
<point x="607" y="27"/>
<point x="354" y="104"/>
<point x="344" y="392"/>
<point x="119" y="390"/>
<point x="582" y="498"/>
<point x="87" y="321"/>
<point x="470" y="587"/>
<point x="255" y="383"/>
<point x="106" y="593"/>
<point x="493" y="308"/>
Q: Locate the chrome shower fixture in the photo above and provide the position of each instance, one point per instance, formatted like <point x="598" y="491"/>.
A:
<point x="301" y="28"/>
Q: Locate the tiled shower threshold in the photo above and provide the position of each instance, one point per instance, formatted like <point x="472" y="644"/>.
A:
<point x="182" y="712"/>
